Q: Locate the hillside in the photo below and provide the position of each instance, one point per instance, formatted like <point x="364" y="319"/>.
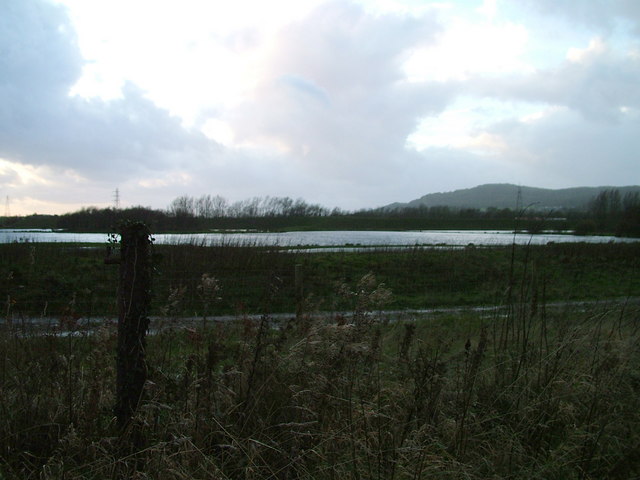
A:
<point x="506" y="196"/>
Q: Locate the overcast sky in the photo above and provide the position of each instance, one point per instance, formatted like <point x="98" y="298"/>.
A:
<point x="353" y="104"/>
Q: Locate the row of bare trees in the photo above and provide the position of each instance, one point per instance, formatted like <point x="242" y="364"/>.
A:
<point x="610" y="211"/>
<point x="215" y="206"/>
<point x="611" y="203"/>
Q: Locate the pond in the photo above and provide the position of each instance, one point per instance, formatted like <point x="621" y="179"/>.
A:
<point x="343" y="238"/>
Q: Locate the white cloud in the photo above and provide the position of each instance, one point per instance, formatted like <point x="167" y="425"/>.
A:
<point x="594" y="81"/>
<point x="539" y="115"/>
<point x="16" y="174"/>
<point x="466" y="125"/>
<point x="334" y="98"/>
<point x="489" y="8"/>
<point x="596" y="48"/>
<point x="485" y="144"/>
<point x="602" y="15"/>
<point x="24" y="183"/>
<point x="348" y="103"/>
<point x="184" y="55"/>
<point x="166" y="179"/>
<point x="467" y="49"/>
<point x="219" y="131"/>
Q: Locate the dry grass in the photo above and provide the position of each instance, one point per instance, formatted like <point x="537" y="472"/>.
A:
<point x="516" y="393"/>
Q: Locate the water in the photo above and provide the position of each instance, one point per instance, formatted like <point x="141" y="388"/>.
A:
<point x="325" y="238"/>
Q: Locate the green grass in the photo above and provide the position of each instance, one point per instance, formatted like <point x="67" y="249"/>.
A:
<point x="72" y="281"/>
<point x="522" y="389"/>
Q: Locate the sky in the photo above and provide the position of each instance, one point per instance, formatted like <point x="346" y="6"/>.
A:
<point x="344" y="103"/>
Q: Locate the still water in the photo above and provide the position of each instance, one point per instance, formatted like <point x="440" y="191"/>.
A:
<point x="323" y="238"/>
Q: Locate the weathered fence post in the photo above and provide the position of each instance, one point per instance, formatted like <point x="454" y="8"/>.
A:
<point x="299" y="290"/>
<point x="134" y="296"/>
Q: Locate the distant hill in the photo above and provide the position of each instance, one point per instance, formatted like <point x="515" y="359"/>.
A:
<point x="504" y="195"/>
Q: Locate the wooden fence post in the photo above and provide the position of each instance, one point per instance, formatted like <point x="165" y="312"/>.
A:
<point x="134" y="296"/>
<point x="299" y="289"/>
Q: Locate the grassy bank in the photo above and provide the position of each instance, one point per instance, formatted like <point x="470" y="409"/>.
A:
<point x="530" y="393"/>
<point x="71" y="282"/>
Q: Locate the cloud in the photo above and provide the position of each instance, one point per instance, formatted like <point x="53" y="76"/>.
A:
<point x="318" y="103"/>
<point x="596" y="81"/>
<point x="41" y="124"/>
<point x="331" y="109"/>
<point x="469" y="48"/>
<point x="335" y="97"/>
<point x="563" y="145"/>
<point x="305" y="87"/>
<point x="602" y="15"/>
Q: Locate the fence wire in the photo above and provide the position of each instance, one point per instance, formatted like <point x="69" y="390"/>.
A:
<point x="72" y="282"/>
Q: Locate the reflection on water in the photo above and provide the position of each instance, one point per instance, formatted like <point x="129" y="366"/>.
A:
<point x="323" y="238"/>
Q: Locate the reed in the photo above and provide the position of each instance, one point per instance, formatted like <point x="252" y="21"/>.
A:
<point x="525" y="391"/>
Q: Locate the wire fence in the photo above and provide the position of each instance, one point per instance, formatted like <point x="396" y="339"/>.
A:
<point x="72" y="282"/>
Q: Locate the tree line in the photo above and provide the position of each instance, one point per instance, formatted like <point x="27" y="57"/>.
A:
<point x="208" y="206"/>
<point x="608" y="212"/>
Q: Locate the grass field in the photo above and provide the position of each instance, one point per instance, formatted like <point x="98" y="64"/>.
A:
<point x="55" y="280"/>
<point x="529" y="393"/>
<point x="521" y="391"/>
